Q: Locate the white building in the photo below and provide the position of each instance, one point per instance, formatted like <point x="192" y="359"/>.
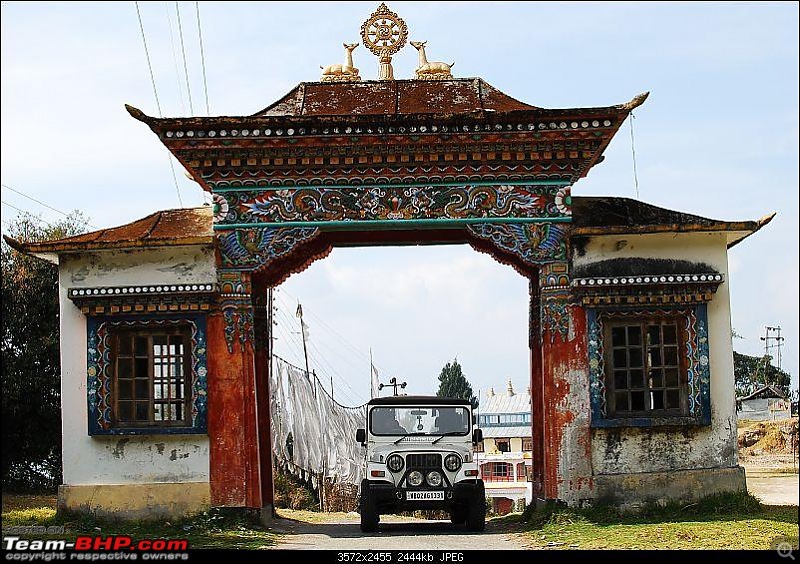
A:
<point x="766" y="403"/>
<point x="505" y="453"/>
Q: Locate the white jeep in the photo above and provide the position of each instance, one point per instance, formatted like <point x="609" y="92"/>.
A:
<point x="420" y="456"/>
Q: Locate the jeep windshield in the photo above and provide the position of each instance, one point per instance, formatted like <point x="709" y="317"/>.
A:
<point x="419" y="420"/>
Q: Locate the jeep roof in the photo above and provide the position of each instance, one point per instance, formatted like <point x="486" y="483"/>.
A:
<point x="416" y="400"/>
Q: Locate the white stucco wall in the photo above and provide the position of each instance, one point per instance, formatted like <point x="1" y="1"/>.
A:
<point x="627" y="450"/>
<point x="117" y="459"/>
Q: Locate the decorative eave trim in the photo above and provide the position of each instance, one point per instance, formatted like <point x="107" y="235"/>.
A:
<point x="156" y="298"/>
<point x="648" y="280"/>
<point x="653" y="289"/>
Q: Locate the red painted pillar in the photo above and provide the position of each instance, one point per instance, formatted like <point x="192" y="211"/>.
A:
<point x="232" y="414"/>
<point x="537" y="389"/>
<point x="566" y="440"/>
<point x="263" y="351"/>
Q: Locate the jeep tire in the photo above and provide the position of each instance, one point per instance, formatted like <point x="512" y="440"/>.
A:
<point x="368" y="509"/>
<point x="476" y="511"/>
<point x="458" y="515"/>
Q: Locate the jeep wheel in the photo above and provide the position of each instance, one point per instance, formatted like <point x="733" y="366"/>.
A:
<point x="476" y="512"/>
<point x="368" y="509"/>
<point x="458" y="515"/>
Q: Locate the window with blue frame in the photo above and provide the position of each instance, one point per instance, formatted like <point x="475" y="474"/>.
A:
<point x="152" y="373"/>
<point x="146" y="376"/>
<point x="646" y="366"/>
<point x="649" y="366"/>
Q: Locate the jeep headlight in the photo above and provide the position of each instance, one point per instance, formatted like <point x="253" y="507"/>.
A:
<point x="434" y="479"/>
<point x="415" y="478"/>
<point x="452" y="462"/>
<point x="395" y="463"/>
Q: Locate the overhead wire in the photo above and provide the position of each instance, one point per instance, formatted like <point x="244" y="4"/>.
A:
<point x="41" y="203"/>
<point x="26" y="212"/>
<point x="155" y="93"/>
<point x="286" y="362"/>
<point x="202" y="55"/>
<point x="337" y="334"/>
<point x="633" y="153"/>
<point x="183" y="52"/>
<point x="314" y="360"/>
<point x="175" y="57"/>
<point x="333" y="369"/>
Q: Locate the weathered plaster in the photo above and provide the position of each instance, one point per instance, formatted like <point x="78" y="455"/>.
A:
<point x="132" y="459"/>
<point x="634" y="450"/>
<point x="136" y="501"/>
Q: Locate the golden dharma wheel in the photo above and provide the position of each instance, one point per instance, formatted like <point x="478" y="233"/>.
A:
<point x="384" y="32"/>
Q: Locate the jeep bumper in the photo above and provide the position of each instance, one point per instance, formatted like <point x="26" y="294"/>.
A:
<point x="388" y="497"/>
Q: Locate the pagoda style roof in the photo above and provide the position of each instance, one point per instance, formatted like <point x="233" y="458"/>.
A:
<point x="396" y="131"/>
<point x="394" y="97"/>
<point x="187" y="226"/>
<point x="597" y="215"/>
<point x="607" y="215"/>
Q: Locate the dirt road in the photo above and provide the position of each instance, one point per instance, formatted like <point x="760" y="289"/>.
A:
<point x="774" y="489"/>
<point x="395" y="533"/>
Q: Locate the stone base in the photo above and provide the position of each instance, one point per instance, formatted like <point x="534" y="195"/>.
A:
<point x="136" y="501"/>
<point x="631" y="491"/>
<point x="267" y="515"/>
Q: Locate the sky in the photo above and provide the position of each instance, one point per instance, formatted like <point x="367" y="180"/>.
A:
<point x="718" y="137"/>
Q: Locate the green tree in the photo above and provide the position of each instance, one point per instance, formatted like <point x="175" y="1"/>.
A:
<point x="31" y="371"/>
<point x="454" y="384"/>
<point x="752" y="372"/>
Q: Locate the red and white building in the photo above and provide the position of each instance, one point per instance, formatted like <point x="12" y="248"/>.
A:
<point x="505" y="453"/>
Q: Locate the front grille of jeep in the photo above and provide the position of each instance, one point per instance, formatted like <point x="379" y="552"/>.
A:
<point x="424" y="461"/>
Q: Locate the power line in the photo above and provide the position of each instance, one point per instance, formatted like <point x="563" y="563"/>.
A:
<point x="183" y="52"/>
<point x="633" y="152"/>
<point x="336" y="333"/>
<point x="31" y="198"/>
<point x="202" y="55"/>
<point x="175" y="58"/>
<point x="287" y="319"/>
<point x="158" y="102"/>
<point x="149" y="65"/>
<point x="287" y="363"/>
<point x="335" y="372"/>
<point x="26" y="212"/>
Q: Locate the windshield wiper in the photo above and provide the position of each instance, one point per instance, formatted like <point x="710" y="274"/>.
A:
<point x="406" y="436"/>
<point x="448" y="434"/>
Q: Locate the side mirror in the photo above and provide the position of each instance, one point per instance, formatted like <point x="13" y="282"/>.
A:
<point x="361" y="436"/>
<point x="477" y="436"/>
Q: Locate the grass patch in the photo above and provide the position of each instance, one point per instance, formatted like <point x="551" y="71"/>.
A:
<point x="735" y="521"/>
<point x="212" y="529"/>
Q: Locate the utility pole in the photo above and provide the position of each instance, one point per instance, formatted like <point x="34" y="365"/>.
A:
<point x="299" y="314"/>
<point x="772" y="334"/>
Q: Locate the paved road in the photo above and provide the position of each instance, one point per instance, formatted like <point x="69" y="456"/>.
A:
<point x="395" y="533"/>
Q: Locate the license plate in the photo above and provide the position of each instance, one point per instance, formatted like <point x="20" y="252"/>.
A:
<point x="425" y="496"/>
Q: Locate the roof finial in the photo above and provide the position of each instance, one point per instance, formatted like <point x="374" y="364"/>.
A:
<point x="345" y="72"/>
<point x="510" y="388"/>
<point x="430" y="71"/>
<point x="490" y="393"/>
<point x="384" y="33"/>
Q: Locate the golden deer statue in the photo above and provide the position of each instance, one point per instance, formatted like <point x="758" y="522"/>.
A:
<point x="430" y="71"/>
<point x="342" y="73"/>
